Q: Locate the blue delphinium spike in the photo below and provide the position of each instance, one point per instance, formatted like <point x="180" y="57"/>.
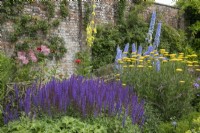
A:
<point x="157" y="37"/>
<point x="126" y="48"/>
<point x="150" y="49"/>
<point x="140" y="50"/>
<point x="152" y="23"/>
<point x="151" y="27"/>
<point x="118" y="56"/>
<point x="133" y="48"/>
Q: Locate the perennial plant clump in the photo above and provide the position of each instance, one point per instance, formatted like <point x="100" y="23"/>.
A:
<point x="88" y="96"/>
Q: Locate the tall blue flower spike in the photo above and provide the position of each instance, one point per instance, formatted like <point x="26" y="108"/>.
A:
<point x="152" y="23"/>
<point x="157" y="37"/>
<point x="150" y="49"/>
<point x="118" y="56"/>
<point x="151" y="27"/>
<point x="133" y="48"/>
<point x="125" y="50"/>
<point x="140" y="50"/>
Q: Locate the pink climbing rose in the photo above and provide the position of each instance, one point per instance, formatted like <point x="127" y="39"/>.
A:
<point x="25" y="61"/>
<point x="45" y="50"/>
<point x="32" y="56"/>
<point x="22" y="56"/>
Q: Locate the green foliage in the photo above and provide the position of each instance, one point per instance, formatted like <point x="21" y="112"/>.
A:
<point x="121" y="6"/>
<point x="6" y="71"/>
<point x="10" y="9"/>
<point x="88" y="11"/>
<point x="70" y="125"/>
<point x="58" y="50"/>
<point x="133" y="30"/>
<point x="56" y="23"/>
<point x="29" y="26"/>
<point x="49" y="6"/>
<point x="196" y="126"/>
<point x="173" y="40"/>
<point x="65" y="124"/>
<point x="191" y="10"/>
<point x="84" y="66"/>
<point x="114" y="124"/>
<point x="152" y="119"/>
<point x="182" y="125"/>
<point x="23" y="74"/>
<point x="35" y="32"/>
<point x="162" y="89"/>
<point x="64" y="11"/>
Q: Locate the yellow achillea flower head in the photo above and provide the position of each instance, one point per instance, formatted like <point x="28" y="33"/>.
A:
<point x="195" y="61"/>
<point x="131" y="65"/>
<point x="125" y="66"/>
<point x="150" y="66"/>
<point x="123" y="84"/>
<point x="179" y="70"/>
<point x="164" y="61"/>
<point x="140" y="66"/>
<point x="181" y="81"/>
<point x="198" y="70"/>
<point x="193" y="55"/>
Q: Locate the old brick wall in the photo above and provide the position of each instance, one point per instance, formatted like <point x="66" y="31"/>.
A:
<point x="69" y="27"/>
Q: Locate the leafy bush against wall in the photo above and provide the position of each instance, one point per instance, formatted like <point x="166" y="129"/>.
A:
<point x="83" y="63"/>
<point x="133" y="30"/>
<point x="192" y="17"/>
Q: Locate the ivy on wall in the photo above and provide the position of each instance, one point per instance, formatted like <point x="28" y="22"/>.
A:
<point x="121" y="6"/>
<point x="88" y="11"/>
<point x="64" y="10"/>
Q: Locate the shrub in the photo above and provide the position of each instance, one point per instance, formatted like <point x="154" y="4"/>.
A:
<point x="88" y="97"/>
<point x="83" y="63"/>
<point x="182" y="125"/>
<point x="69" y="124"/>
<point x="167" y="86"/>
<point x="6" y="70"/>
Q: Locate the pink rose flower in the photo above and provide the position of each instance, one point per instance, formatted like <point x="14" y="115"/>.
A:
<point x="32" y="56"/>
<point x="45" y="50"/>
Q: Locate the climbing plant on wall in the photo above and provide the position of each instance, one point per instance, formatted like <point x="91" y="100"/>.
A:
<point x="31" y="34"/>
<point x="91" y="28"/>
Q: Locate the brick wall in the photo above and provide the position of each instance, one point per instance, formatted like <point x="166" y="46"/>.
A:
<point x="69" y="27"/>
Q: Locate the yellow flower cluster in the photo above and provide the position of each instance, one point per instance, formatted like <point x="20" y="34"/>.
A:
<point x="138" y="61"/>
<point x="91" y="28"/>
